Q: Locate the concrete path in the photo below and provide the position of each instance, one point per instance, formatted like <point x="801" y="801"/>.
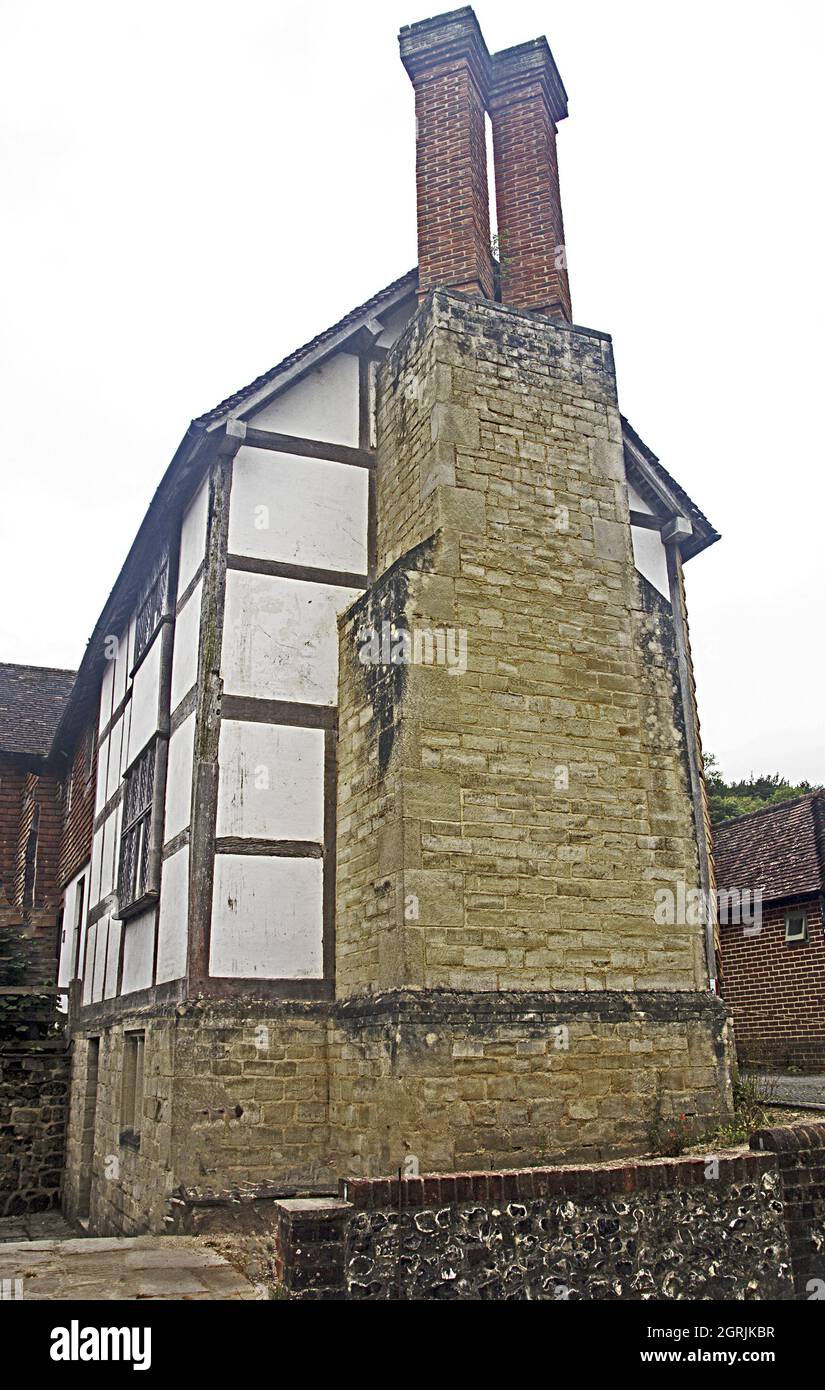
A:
<point x="794" y="1090"/>
<point x="148" y="1267"/>
<point x="41" y="1225"/>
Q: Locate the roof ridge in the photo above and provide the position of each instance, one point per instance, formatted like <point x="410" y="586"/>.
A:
<point x="28" y="666"/>
<point x="236" y="398"/>
<point x="773" y="806"/>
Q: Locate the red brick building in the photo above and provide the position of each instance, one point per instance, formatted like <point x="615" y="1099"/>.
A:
<point x="773" y="968"/>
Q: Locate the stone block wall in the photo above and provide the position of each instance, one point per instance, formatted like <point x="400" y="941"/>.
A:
<point x="34" y="1082"/>
<point x="532" y="805"/>
<point x="233" y="1095"/>
<point x="503" y="829"/>
<point x="516" y="1079"/>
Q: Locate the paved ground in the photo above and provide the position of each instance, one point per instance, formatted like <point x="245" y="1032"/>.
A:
<point x="43" y="1225"/>
<point x="803" y="1091"/>
<point x="150" y="1267"/>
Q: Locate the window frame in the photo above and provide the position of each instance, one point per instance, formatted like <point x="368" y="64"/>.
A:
<point x="131" y="1087"/>
<point x="154" y="603"/>
<point x="30" y="852"/>
<point x="142" y="890"/>
<point x="802" y="938"/>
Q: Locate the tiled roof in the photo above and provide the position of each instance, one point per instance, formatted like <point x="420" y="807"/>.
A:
<point x="779" y="850"/>
<point x="237" y="399"/>
<point x="32" y="699"/>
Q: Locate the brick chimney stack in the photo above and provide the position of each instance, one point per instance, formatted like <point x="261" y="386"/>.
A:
<point x="526" y="98"/>
<point x="447" y="62"/>
<point x="455" y="80"/>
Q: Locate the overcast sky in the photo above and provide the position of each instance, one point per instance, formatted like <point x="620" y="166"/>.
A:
<point x="191" y="190"/>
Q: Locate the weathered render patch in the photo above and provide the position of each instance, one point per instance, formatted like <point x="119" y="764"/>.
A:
<point x="386" y="602"/>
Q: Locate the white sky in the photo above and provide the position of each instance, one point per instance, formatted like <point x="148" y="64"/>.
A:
<point x="191" y="190"/>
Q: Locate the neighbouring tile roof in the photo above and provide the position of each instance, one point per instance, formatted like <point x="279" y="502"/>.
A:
<point x="780" y="850"/>
<point x="32" y="698"/>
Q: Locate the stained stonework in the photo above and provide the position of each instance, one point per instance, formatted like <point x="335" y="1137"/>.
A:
<point x="506" y="829"/>
<point x="232" y="1094"/>
<point x="534" y="804"/>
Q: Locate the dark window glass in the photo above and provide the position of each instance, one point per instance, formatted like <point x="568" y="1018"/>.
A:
<point x="132" y="883"/>
<point x="151" y="611"/>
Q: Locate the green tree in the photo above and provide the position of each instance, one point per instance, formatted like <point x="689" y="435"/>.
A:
<point x="753" y="793"/>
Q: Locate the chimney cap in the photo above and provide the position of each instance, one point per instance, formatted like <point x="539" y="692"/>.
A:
<point x="526" y="63"/>
<point x="446" y="38"/>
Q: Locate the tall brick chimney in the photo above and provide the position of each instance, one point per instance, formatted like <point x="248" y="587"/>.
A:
<point x="447" y="62"/>
<point x="455" y="81"/>
<point x="526" y="99"/>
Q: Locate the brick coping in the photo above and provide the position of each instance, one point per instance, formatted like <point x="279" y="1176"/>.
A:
<point x="639" y="1175"/>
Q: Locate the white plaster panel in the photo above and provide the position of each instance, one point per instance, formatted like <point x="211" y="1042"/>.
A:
<point x="87" y="965"/>
<point x="145" y="700"/>
<point x="179" y="779"/>
<point x="94" y="873"/>
<point x="78" y="888"/>
<point x="267" y="917"/>
<point x="650" y="558"/>
<point x="271" y="782"/>
<point x="112" y="958"/>
<point x="115" y="755"/>
<point x="109" y="852"/>
<point x="106" y="695"/>
<point x="138" y="952"/>
<point x="121" y="672"/>
<point x="99" y="973"/>
<point x="187" y="645"/>
<point x="124" y="742"/>
<point x="395" y="322"/>
<point x="280" y="639"/>
<point x="101" y="782"/>
<point x="173" y="918"/>
<point x="637" y="503"/>
<point x="299" y="510"/>
<point x="323" y="405"/>
<point x="193" y="536"/>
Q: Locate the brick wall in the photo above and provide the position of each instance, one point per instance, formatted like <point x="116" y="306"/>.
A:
<point x="776" y="991"/>
<point x="532" y="252"/>
<point x="12" y="784"/>
<point x="446" y="59"/>
<point x="79" y="803"/>
<point x="799" y="1154"/>
<point x="692" y="1228"/>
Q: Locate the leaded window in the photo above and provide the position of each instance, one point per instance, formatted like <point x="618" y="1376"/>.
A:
<point x="133" y="875"/>
<point x="151" y="611"/>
